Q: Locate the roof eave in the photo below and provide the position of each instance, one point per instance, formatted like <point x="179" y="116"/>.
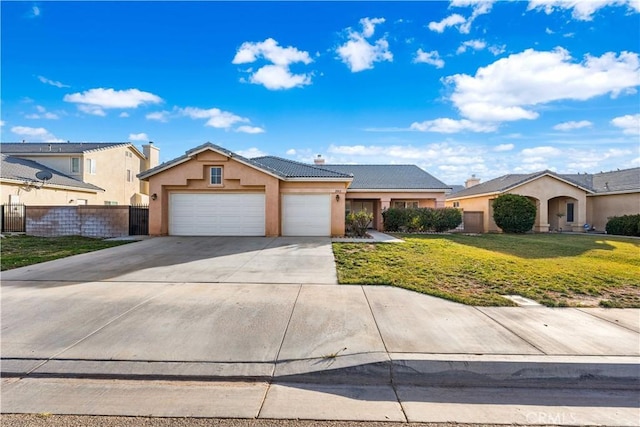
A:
<point x="399" y="190"/>
<point x="613" y="193"/>
<point x="56" y="186"/>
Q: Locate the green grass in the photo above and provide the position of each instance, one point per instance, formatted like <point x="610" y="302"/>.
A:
<point x="20" y="251"/>
<point x="553" y="269"/>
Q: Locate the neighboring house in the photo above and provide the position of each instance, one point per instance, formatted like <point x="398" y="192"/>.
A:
<point x="109" y="169"/>
<point x="565" y="202"/>
<point x="19" y="184"/>
<point x="213" y="191"/>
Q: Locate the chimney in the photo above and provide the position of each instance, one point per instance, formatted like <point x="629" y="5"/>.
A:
<point x="318" y="160"/>
<point x="471" y="181"/>
<point x="152" y="155"/>
<point x="151" y="160"/>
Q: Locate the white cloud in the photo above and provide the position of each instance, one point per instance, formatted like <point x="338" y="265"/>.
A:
<point x="444" y="125"/>
<point x="2" y="123"/>
<point x="630" y="124"/>
<point x="581" y="10"/>
<point x="549" y="31"/>
<point x="503" y="147"/>
<point x="96" y="100"/>
<point x="497" y="50"/>
<point x="539" y="154"/>
<point x="276" y="75"/>
<point x="123" y="114"/>
<point x="37" y="134"/>
<point x="92" y="109"/>
<point x="138" y="137"/>
<point x="42" y="114"/>
<point x="34" y="12"/>
<point x="449" y="21"/>
<point x="571" y="125"/>
<point x="52" y="82"/>
<point x="251" y="153"/>
<point x="250" y="129"/>
<point x="358" y="53"/>
<point x="473" y="44"/>
<point x="160" y="116"/>
<point x="291" y="152"/>
<point x="215" y="117"/>
<point x="432" y="58"/>
<point x="508" y="89"/>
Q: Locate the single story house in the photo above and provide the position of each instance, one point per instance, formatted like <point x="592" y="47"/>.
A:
<point x="212" y="191"/>
<point x="565" y="202"/>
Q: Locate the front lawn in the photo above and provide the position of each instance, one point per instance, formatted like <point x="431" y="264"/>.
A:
<point x="553" y="269"/>
<point x="20" y="251"/>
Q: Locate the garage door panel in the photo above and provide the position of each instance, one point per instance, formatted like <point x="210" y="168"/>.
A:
<point x="192" y="214"/>
<point x="306" y="215"/>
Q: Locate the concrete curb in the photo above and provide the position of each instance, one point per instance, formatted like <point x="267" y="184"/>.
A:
<point x="595" y="372"/>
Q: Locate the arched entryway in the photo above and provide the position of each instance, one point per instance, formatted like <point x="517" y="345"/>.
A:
<point x="564" y="212"/>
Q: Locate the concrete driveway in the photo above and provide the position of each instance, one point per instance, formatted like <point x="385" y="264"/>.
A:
<point x="297" y="260"/>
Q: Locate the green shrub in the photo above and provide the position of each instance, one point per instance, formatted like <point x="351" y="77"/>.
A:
<point x="514" y="213"/>
<point x="357" y="223"/>
<point x="394" y="218"/>
<point x="421" y="219"/>
<point x="626" y="225"/>
<point x="446" y="219"/>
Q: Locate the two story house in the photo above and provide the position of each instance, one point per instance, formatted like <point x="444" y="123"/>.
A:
<point x="75" y="173"/>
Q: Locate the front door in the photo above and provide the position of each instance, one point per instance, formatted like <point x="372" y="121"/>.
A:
<point x="361" y="205"/>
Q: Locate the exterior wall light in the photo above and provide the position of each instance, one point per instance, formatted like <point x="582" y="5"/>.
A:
<point x="154" y="196"/>
<point x="337" y="197"/>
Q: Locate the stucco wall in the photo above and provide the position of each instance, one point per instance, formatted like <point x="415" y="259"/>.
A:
<point x="602" y="207"/>
<point x="89" y="221"/>
<point x="45" y="196"/>
<point x="193" y="176"/>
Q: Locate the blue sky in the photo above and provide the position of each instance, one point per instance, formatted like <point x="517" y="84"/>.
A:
<point x="458" y="88"/>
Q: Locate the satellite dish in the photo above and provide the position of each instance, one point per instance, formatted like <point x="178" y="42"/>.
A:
<point x="44" y="175"/>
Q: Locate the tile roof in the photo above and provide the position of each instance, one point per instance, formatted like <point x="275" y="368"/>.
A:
<point x="274" y="165"/>
<point x="293" y="169"/>
<point x="604" y="182"/>
<point x="24" y="148"/>
<point x="621" y="180"/>
<point x="389" y="177"/>
<point x="23" y="170"/>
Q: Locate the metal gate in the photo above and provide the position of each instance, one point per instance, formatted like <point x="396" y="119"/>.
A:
<point x="138" y="220"/>
<point x="473" y="222"/>
<point x="13" y="218"/>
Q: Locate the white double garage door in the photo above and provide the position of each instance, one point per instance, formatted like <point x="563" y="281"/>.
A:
<point x="237" y="214"/>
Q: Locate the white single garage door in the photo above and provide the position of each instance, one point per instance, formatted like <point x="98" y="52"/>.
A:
<point x="306" y="215"/>
<point x="201" y="214"/>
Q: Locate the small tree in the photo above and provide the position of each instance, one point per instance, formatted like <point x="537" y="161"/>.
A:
<point x="514" y="213"/>
<point x="357" y="222"/>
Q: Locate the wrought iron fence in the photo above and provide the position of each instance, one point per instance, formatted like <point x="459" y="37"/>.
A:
<point x="138" y="220"/>
<point x="13" y="218"/>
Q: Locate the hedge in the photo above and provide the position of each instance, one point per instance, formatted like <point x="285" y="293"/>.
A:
<point x="421" y="219"/>
<point x="626" y="225"/>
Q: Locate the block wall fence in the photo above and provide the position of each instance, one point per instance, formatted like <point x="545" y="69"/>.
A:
<point x="87" y="221"/>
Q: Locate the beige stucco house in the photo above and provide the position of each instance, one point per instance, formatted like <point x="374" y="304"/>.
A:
<point x="213" y="191"/>
<point x="565" y="202"/>
<point x="81" y="173"/>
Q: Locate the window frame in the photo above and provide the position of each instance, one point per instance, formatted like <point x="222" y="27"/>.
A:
<point x="219" y="177"/>
<point x="406" y="204"/>
<point x="75" y="160"/>
<point x="571" y="210"/>
<point x="91" y="166"/>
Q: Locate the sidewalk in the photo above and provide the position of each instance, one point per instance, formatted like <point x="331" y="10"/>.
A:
<point x="125" y="346"/>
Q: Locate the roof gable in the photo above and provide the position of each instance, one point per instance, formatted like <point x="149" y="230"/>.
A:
<point x="280" y="168"/>
<point x="604" y="182"/>
<point x="20" y="170"/>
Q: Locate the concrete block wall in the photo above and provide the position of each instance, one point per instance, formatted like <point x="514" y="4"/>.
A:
<point x="88" y="221"/>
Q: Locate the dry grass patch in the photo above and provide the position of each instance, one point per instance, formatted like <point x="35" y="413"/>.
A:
<point x="553" y="269"/>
